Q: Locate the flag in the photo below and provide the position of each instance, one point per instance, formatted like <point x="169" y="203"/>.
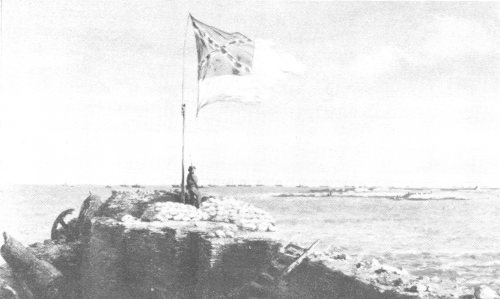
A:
<point x="221" y="53"/>
<point x="233" y="68"/>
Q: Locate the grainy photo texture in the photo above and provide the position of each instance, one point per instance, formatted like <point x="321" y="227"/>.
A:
<point x="249" y="149"/>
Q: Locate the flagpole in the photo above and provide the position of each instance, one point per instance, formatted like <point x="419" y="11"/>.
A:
<point x="197" y="97"/>
<point x="183" y="111"/>
<point x="183" y="194"/>
<point x="1" y="40"/>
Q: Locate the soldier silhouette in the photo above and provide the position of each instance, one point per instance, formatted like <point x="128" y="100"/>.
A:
<point x="192" y="188"/>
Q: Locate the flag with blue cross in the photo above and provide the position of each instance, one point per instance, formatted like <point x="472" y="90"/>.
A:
<point x="222" y="53"/>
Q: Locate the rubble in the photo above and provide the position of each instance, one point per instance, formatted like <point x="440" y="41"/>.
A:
<point x="485" y="292"/>
<point x="146" y="244"/>
<point x="385" y="277"/>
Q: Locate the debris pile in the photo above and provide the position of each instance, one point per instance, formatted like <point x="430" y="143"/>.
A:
<point x="389" y="278"/>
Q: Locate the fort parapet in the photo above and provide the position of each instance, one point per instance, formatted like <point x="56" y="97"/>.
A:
<point x="141" y="244"/>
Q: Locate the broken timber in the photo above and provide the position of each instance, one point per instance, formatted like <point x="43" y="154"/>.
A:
<point x="40" y="276"/>
<point x="265" y="281"/>
<point x="300" y="259"/>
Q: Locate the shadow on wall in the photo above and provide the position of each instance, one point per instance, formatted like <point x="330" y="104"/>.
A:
<point x="123" y="263"/>
<point x="170" y="263"/>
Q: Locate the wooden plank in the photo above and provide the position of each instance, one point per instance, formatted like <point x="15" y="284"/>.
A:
<point x="294" y="246"/>
<point x="300" y="259"/>
<point x="269" y="278"/>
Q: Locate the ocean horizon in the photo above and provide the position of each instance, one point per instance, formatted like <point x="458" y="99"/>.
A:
<point x="444" y="232"/>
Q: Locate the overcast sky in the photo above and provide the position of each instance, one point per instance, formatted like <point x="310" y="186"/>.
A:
<point x="392" y="93"/>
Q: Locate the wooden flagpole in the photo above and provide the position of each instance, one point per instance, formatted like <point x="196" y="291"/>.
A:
<point x="183" y="111"/>
<point x="1" y="40"/>
<point x="183" y="192"/>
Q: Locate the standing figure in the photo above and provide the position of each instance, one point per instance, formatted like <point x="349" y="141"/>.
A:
<point x="192" y="188"/>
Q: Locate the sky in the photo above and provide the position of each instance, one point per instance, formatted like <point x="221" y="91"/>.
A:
<point x="384" y="93"/>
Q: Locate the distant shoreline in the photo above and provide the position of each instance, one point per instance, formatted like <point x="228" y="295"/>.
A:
<point x="312" y="187"/>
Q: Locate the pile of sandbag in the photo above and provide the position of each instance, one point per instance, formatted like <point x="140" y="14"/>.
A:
<point x="163" y="211"/>
<point x="244" y="215"/>
<point x="228" y="210"/>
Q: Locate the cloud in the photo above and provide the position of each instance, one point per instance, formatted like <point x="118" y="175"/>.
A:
<point x="376" y="62"/>
<point x="451" y="38"/>
<point x="270" y="67"/>
<point x="273" y="63"/>
<point x="445" y="44"/>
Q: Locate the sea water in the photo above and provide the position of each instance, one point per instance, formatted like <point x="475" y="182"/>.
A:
<point x="455" y="236"/>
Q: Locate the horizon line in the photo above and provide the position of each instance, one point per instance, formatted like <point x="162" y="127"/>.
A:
<point x="474" y="187"/>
